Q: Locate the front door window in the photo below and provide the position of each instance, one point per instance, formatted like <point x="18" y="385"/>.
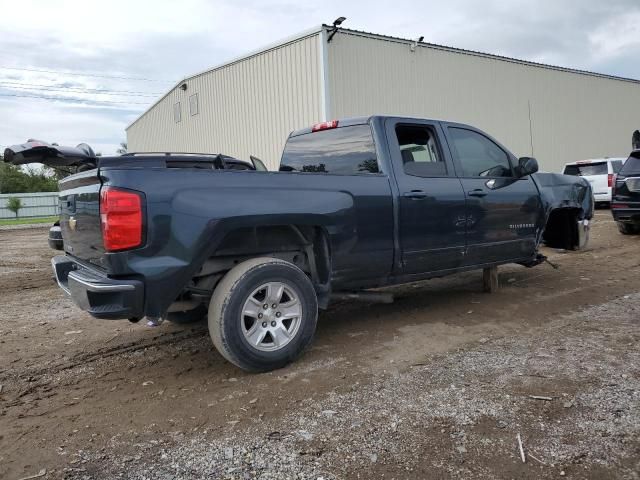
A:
<point x="478" y="156"/>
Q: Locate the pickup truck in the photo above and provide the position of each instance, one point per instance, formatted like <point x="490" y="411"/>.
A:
<point x="356" y="204"/>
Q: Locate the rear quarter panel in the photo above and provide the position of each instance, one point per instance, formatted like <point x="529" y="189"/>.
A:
<point x="189" y="212"/>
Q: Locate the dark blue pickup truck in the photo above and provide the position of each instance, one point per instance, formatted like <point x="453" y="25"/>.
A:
<point x="357" y="204"/>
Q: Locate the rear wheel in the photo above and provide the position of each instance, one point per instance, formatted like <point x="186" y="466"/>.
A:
<point x="627" y="228"/>
<point x="263" y="314"/>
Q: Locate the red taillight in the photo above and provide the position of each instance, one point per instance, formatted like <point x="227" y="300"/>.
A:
<point x="612" y="183"/>
<point x="324" y="126"/>
<point x="120" y="218"/>
<point x="610" y="179"/>
<point x="619" y="205"/>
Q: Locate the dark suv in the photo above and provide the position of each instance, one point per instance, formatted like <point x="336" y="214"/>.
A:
<point x="625" y="202"/>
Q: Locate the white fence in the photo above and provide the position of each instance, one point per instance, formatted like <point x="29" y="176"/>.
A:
<point x="43" y="204"/>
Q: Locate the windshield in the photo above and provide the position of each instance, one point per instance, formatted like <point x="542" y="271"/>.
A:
<point x="586" y="169"/>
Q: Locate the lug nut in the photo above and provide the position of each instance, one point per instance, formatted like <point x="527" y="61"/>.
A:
<point x="265" y="306"/>
<point x="264" y="324"/>
<point x="274" y="305"/>
<point x="278" y="314"/>
<point x="260" y="315"/>
<point x="273" y="324"/>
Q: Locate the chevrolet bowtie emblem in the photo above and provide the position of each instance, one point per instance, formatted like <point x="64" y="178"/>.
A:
<point x="72" y="223"/>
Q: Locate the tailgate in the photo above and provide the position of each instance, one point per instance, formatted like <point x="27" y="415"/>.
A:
<point x="80" y="216"/>
<point x="599" y="183"/>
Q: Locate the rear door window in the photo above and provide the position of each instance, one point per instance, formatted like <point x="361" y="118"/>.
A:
<point x="342" y="151"/>
<point x="419" y="150"/>
<point x="586" y="169"/>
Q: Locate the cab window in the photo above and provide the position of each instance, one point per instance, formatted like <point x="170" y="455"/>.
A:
<point x="419" y="151"/>
<point x="342" y="151"/>
<point x="477" y="155"/>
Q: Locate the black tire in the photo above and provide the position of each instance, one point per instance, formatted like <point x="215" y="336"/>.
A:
<point x="568" y="232"/>
<point x="226" y="307"/>
<point x="627" y="229"/>
<point x="195" y="315"/>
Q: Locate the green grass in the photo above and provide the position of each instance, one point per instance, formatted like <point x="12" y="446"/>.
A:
<point x="27" y="221"/>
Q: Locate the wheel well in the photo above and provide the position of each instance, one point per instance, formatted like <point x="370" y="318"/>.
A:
<point x="561" y="230"/>
<point x="307" y="247"/>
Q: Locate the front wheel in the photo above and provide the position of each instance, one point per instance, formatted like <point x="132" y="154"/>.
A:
<point x="263" y="314"/>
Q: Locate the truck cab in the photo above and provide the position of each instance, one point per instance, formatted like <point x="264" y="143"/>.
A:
<point x="460" y="197"/>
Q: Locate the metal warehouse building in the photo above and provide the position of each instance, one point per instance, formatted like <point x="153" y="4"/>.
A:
<point x="250" y="105"/>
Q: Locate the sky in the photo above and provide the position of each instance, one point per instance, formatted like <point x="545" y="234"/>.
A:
<point x="95" y="66"/>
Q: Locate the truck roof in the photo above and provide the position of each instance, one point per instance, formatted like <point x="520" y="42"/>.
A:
<point x="349" y="121"/>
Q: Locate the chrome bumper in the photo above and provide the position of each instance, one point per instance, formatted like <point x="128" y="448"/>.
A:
<point x="97" y="294"/>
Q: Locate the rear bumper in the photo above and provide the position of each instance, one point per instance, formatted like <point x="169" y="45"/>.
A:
<point x="602" y="197"/>
<point x="626" y="215"/>
<point x="97" y="294"/>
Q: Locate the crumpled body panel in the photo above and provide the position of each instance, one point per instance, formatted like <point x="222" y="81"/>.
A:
<point x="565" y="191"/>
<point x="568" y="208"/>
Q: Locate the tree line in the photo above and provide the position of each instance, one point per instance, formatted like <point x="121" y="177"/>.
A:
<point x="14" y="179"/>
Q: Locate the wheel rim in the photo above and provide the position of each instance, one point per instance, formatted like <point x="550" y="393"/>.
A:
<point x="271" y="316"/>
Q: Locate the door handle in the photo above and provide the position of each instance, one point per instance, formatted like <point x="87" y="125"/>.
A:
<point x="415" y="194"/>
<point x="478" y="192"/>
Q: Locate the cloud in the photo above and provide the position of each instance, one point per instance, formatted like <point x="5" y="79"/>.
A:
<point x="165" y="41"/>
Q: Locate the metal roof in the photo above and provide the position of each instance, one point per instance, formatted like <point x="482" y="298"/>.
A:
<point x="388" y="38"/>
<point x="483" y="54"/>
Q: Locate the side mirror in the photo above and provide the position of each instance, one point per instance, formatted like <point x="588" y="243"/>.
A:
<point x="527" y="166"/>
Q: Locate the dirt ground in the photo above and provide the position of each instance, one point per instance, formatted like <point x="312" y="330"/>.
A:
<point x="437" y="385"/>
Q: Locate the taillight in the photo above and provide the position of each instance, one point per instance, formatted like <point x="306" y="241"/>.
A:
<point x="610" y="179"/>
<point x="325" y="126"/>
<point x="612" y="183"/>
<point x="120" y="219"/>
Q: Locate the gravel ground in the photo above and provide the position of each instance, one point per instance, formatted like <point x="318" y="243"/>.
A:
<point x="27" y="226"/>
<point x="429" y="418"/>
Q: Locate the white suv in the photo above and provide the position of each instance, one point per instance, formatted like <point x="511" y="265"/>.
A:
<point x="599" y="172"/>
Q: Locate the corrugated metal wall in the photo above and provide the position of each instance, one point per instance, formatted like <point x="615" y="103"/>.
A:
<point x="573" y="116"/>
<point x="245" y="108"/>
<point x="41" y="204"/>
